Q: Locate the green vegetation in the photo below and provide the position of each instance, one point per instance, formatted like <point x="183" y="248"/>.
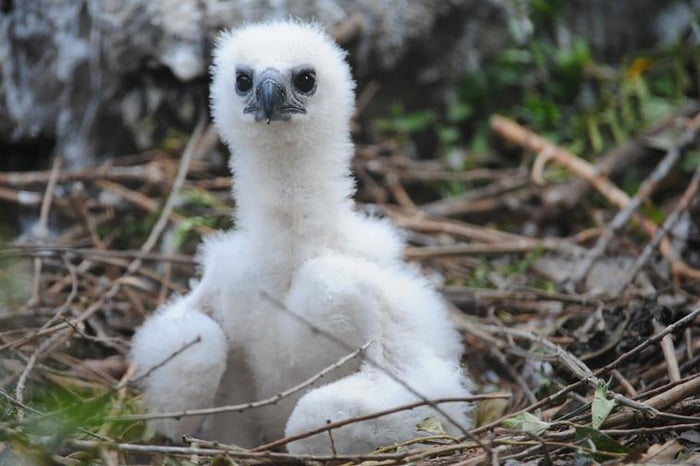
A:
<point x="557" y="88"/>
<point x="217" y="216"/>
<point x="560" y="90"/>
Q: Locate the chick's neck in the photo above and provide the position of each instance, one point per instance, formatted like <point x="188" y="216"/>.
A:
<point x="292" y="195"/>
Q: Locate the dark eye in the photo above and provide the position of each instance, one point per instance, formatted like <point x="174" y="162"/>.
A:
<point x="243" y="82"/>
<point x="305" y="82"/>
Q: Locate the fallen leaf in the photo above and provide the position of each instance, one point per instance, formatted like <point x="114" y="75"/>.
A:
<point x="488" y="411"/>
<point x="431" y="425"/>
<point x="602" y="442"/>
<point x="662" y="453"/>
<point x="601" y="406"/>
<point x="527" y="423"/>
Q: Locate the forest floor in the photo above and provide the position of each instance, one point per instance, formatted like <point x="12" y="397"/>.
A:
<point x="578" y="301"/>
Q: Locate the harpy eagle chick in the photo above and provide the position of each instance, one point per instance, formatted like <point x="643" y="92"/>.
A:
<point x="282" y="99"/>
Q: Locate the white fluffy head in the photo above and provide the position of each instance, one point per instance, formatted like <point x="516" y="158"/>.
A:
<point x="285" y="48"/>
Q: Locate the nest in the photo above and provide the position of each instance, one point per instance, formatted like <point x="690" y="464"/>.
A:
<point x="583" y="339"/>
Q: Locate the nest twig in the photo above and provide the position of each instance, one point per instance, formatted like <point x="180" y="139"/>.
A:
<point x="543" y="348"/>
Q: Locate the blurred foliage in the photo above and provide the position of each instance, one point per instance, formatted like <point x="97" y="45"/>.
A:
<point x="404" y="124"/>
<point x="15" y="281"/>
<point x="604" y="446"/>
<point x="691" y="159"/>
<point x="15" y="273"/>
<point x="551" y="82"/>
<point x="197" y="207"/>
<point x="215" y="214"/>
<point x="549" y="79"/>
<point x="64" y="409"/>
<point x="129" y="231"/>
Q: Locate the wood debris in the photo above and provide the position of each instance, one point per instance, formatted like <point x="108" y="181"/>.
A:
<point x="114" y="241"/>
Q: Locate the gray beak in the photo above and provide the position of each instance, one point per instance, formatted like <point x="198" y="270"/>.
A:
<point x="270" y="95"/>
<point x="272" y="99"/>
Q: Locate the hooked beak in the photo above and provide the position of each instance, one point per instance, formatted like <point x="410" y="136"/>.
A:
<point x="270" y="95"/>
<point x="270" y="101"/>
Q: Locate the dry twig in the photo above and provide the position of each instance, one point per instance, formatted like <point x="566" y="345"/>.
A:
<point x="547" y="151"/>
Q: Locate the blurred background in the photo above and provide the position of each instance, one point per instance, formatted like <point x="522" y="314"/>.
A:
<point x="93" y="79"/>
<point x="96" y="79"/>
<point x="101" y="99"/>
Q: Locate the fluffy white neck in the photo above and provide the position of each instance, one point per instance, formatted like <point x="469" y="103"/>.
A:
<point x="292" y="194"/>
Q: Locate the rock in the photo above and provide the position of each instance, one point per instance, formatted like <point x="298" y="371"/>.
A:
<point x="105" y="77"/>
<point x="97" y="78"/>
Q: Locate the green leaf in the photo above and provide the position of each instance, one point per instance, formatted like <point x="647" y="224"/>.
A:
<point x="431" y="425"/>
<point x="479" y="142"/>
<point x="527" y="423"/>
<point x="655" y="109"/>
<point x="459" y="111"/>
<point x="601" y="406"/>
<point x="594" y="135"/>
<point x="188" y="226"/>
<point x="407" y="123"/>
<point x="654" y="213"/>
<point x="448" y="135"/>
<point x="546" y="8"/>
<point x="201" y="198"/>
<point x="601" y="441"/>
<point x="691" y="161"/>
<point x="223" y="461"/>
<point x="665" y="140"/>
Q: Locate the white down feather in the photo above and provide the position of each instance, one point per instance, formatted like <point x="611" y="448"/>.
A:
<point x="299" y="240"/>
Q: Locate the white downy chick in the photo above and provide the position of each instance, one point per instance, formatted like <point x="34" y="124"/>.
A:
<point x="282" y="98"/>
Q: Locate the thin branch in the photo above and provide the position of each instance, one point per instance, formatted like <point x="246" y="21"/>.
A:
<point x="430" y="252"/>
<point x="557" y="395"/>
<point x="516" y="133"/>
<point x="584" y="373"/>
<point x="648" y="186"/>
<point x="157" y="366"/>
<point x="669" y="352"/>
<point x="149" y="173"/>
<point x="73" y="274"/>
<point x="45" y="346"/>
<point x="330" y="337"/>
<point x="669" y="223"/>
<point x="660" y="402"/>
<point x="651" y="430"/>
<point x="680" y="323"/>
<point x="466" y="203"/>
<point x="182" y="170"/>
<point x="146" y="248"/>
<point x="18" y="403"/>
<point x="21" y="197"/>
<point x="459" y="230"/>
<point x="50" y="251"/>
<point x="173" y="450"/>
<point x="43" y="226"/>
<point x="126" y="379"/>
<point x="253" y="404"/>
<point x="366" y="417"/>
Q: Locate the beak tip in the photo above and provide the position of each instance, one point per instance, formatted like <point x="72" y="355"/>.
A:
<point x="270" y="94"/>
